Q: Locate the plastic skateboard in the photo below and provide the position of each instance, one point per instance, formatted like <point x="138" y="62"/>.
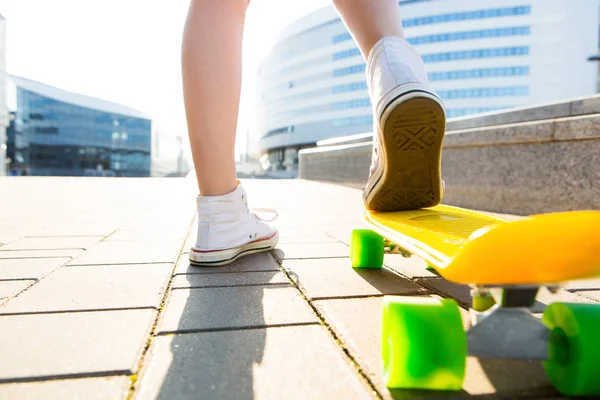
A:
<point x="424" y="344"/>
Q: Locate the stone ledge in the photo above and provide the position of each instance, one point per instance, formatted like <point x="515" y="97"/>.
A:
<point x="533" y="160"/>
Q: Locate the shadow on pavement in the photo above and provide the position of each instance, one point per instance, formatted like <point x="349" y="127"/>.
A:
<point x="224" y="339"/>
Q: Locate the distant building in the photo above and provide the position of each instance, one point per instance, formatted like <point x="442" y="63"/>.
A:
<point x="480" y="55"/>
<point x="3" y="109"/>
<point x="168" y="156"/>
<point x="59" y="133"/>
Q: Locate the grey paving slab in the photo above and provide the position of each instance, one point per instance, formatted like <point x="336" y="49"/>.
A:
<point x="17" y="254"/>
<point x="343" y="234"/>
<point x="88" y="229"/>
<point x="132" y="235"/>
<point x="44" y="345"/>
<point x="589" y="289"/>
<point x="113" y="388"/>
<point x="357" y="322"/>
<point x="304" y="235"/>
<point x="10" y="289"/>
<point x="289" y="251"/>
<point x="95" y="288"/>
<point x="412" y="267"/>
<point x="229" y="279"/>
<point x="190" y="240"/>
<point x="545" y="298"/>
<point x="334" y="277"/>
<point x="175" y="222"/>
<point x="131" y="253"/>
<point x="251" y="263"/>
<point x="234" y="307"/>
<point x="9" y="234"/>
<point x="49" y="243"/>
<point x="461" y="293"/>
<point x="34" y="268"/>
<point x="275" y="363"/>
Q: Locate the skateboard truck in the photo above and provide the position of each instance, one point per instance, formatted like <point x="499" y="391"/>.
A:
<point x="507" y="329"/>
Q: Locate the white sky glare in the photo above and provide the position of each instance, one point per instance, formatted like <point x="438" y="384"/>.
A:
<point x="128" y="51"/>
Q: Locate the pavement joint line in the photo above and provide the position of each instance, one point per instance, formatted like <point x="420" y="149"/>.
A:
<point x="6" y="300"/>
<point x="224" y="272"/>
<point x="18" y="279"/>
<point x="236" y="328"/>
<point x="56" y="236"/>
<point x="118" y="264"/>
<point x="36" y="280"/>
<point x="576" y="291"/>
<point x="34" y="258"/>
<point x="140" y="365"/>
<point x="27" y="313"/>
<point x="585" y="296"/>
<point x="116" y="230"/>
<point x="45" y="378"/>
<point x="368" y="296"/>
<point x="354" y="363"/>
<point x="228" y="286"/>
<point x="62" y="248"/>
<point x="436" y="291"/>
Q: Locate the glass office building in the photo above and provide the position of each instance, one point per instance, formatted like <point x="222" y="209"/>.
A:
<point x="480" y="57"/>
<point x="58" y="133"/>
<point x="3" y="109"/>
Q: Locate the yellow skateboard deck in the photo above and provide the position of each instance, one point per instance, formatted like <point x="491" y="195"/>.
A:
<point x="469" y="247"/>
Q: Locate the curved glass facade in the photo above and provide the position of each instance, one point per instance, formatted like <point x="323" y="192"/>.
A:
<point x="480" y="57"/>
<point x="51" y="137"/>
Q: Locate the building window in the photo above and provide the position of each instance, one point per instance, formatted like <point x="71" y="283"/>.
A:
<point x="346" y="54"/>
<point x="349" y="87"/>
<point x="484" y="92"/>
<point x="285" y="129"/>
<point x="473" y="54"/>
<point x="349" y="121"/>
<point x="357" y="103"/>
<point x="468" y="15"/>
<point x="461" y="112"/>
<point x="341" y="38"/>
<point x="478" y="73"/>
<point x="355" y="69"/>
<point x="453" y="17"/>
<point x="486" y="33"/>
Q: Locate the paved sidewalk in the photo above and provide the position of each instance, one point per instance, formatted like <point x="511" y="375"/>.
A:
<point x="98" y="301"/>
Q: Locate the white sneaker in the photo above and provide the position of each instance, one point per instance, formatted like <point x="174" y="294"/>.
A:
<point x="409" y="125"/>
<point x="228" y="230"/>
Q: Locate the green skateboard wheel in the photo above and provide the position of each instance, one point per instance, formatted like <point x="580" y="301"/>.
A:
<point x="424" y="345"/>
<point x="574" y="353"/>
<point x="366" y="249"/>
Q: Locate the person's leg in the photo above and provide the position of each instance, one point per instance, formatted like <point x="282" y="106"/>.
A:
<point x="409" y="119"/>
<point x="212" y="75"/>
<point x="370" y="20"/>
<point x="211" y="68"/>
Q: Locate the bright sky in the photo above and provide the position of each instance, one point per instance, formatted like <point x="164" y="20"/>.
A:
<point x="128" y="51"/>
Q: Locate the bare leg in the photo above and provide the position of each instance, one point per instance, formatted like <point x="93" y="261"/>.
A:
<point x="370" y="20"/>
<point x="212" y="74"/>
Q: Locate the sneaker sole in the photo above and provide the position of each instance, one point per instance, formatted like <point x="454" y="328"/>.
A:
<point x="413" y="132"/>
<point x="217" y="258"/>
